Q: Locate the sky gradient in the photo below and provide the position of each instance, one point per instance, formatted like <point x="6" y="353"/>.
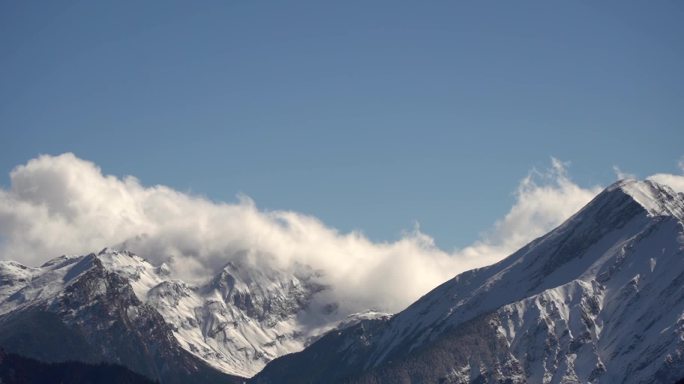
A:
<point x="369" y="116"/>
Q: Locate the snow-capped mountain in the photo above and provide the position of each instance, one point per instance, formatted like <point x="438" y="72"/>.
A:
<point x="114" y="306"/>
<point x="598" y="299"/>
<point x="80" y="309"/>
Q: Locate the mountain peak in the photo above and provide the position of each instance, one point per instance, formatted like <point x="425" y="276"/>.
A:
<point x="656" y="199"/>
<point x="557" y="310"/>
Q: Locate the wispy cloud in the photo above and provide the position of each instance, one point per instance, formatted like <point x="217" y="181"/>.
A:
<point x="620" y="174"/>
<point x="676" y="182"/>
<point x="63" y="204"/>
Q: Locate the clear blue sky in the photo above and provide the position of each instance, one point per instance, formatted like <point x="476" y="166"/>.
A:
<point x="367" y="114"/>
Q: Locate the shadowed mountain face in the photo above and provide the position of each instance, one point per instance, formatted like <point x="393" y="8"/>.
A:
<point x="15" y="369"/>
<point x="598" y="299"/>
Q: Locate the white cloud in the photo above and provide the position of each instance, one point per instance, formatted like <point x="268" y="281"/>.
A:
<point x="62" y="204"/>
<point x="622" y="175"/>
<point x="675" y="182"/>
<point x="543" y="201"/>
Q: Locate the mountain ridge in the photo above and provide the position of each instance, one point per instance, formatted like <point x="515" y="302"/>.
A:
<point x="236" y="322"/>
<point x="567" y="287"/>
<point x="557" y="310"/>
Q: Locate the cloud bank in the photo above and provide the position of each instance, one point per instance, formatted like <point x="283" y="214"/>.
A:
<point x="65" y="205"/>
<point x="675" y="182"/>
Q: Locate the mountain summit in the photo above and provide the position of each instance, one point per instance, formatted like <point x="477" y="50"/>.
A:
<point x="598" y="299"/>
<point x="116" y="307"/>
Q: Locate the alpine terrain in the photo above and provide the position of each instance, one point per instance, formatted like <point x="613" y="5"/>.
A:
<point x="598" y="299"/>
<point x="115" y="307"/>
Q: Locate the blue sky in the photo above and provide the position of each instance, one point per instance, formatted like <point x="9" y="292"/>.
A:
<point x="367" y="115"/>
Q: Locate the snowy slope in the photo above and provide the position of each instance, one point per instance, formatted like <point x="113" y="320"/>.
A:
<point x="598" y="299"/>
<point x="236" y="322"/>
<point x="242" y="318"/>
<point x="79" y="309"/>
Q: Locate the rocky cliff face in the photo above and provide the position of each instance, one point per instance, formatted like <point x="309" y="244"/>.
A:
<point x="598" y="299"/>
<point x="77" y="309"/>
<point x="115" y="307"/>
